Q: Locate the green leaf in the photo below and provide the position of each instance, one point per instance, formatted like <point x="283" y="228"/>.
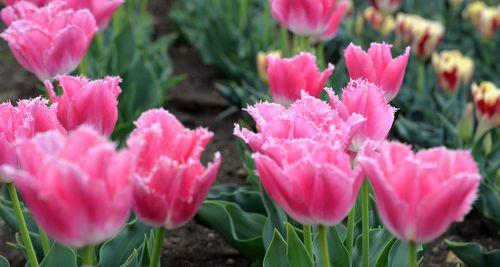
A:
<point x="241" y="229"/>
<point x="117" y="251"/>
<point x="339" y="257"/>
<point x="132" y="261"/>
<point x="475" y="255"/>
<point x="296" y="251"/>
<point x="59" y="256"/>
<point x="399" y="254"/>
<point x="381" y="242"/>
<point x="276" y="252"/>
<point x="246" y="197"/>
<point x="4" y="262"/>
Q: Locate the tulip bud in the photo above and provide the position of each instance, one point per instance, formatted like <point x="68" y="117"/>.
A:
<point x="452" y="68"/>
<point x="425" y="37"/>
<point x="489" y="22"/>
<point x="473" y="10"/>
<point x="386" y="6"/>
<point x="374" y="17"/>
<point x="262" y="63"/>
<point x="486" y="96"/>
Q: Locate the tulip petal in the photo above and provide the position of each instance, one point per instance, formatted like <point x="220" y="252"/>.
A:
<point x="358" y="63"/>
<point x="393" y="75"/>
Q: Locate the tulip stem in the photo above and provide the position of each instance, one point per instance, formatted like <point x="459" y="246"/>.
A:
<point x="413" y="254"/>
<point x="308" y="239"/>
<point x="350" y="229"/>
<point x="88" y="256"/>
<point x="44" y="239"/>
<point x="159" y="235"/>
<point x="325" y="257"/>
<point x="30" y="251"/>
<point x="365" y="224"/>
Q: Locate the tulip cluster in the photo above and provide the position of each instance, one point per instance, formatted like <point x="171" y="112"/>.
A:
<point x="486" y="19"/>
<point x="423" y="35"/>
<point x="452" y="68"/>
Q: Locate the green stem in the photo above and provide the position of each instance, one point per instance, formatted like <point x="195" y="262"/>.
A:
<point x="44" y="239"/>
<point x="285" y="46"/>
<point x="159" y="234"/>
<point x="421" y="77"/>
<point x="350" y="229"/>
<point x="413" y="254"/>
<point x="88" y="256"/>
<point x="321" y="55"/>
<point x="30" y="251"/>
<point x="323" y="240"/>
<point x="365" y="224"/>
<point x="308" y="239"/>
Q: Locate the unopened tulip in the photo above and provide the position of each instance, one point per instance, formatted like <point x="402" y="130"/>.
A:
<point x="426" y="36"/>
<point x="374" y="17"/>
<point x="487" y="99"/>
<point x="94" y="103"/>
<point x="288" y="76"/>
<point x="489" y="22"/>
<point x="77" y="187"/>
<point x="170" y="183"/>
<point x="366" y="99"/>
<point x="387" y="6"/>
<point x="319" y="20"/>
<point x="377" y="66"/>
<point x="452" y="68"/>
<point x="262" y="63"/>
<point x="24" y="121"/>
<point x="51" y="41"/>
<point x="312" y="181"/>
<point x="418" y="195"/>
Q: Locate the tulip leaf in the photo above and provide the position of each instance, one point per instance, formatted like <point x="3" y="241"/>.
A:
<point x="246" y="197"/>
<point x="116" y="251"/>
<point x="4" y="262"/>
<point x="474" y="255"/>
<point x="276" y="252"/>
<point x="296" y="250"/>
<point x="241" y="229"/>
<point x="132" y="261"/>
<point x="59" y="256"/>
<point x="381" y="242"/>
<point x="399" y="254"/>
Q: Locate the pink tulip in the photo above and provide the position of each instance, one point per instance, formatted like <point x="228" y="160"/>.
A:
<point x="102" y="10"/>
<point x="419" y="195"/>
<point x="50" y="41"/>
<point x="377" y="66"/>
<point x="307" y="118"/>
<point x="387" y="6"/>
<point x="366" y="99"/>
<point x="312" y="181"/>
<point x="287" y="77"/>
<point x="77" y="187"/>
<point x="19" y="10"/>
<point x="170" y="183"/>
<point x="24" y="121"/>
<point x="319" y="20"/>
<point x="87" y="102"/>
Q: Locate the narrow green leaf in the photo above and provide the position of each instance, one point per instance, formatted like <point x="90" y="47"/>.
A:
<point x="475" y="255"/>
<point x="4" y="262"/>
<point x="276" y="252"/>
<point x="296" y="251"/>
<point x="59" y="256"/>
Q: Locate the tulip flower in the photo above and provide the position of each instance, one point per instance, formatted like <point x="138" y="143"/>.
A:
<point x="24" y="121"/>
<point x="489" y="22"/>
<point x="386" y="6"/>
<point x="262" y="63"/>
<point x="20" y="10"/>
<point x="102" y="10"/>
<point x="50" y="41"/>
<point x="418" y="195"/>
<point x="170" y="183"/>
<point x="473" y="11"/>
<point x="404" y="24"/>
<point x="452" y="68"/>
<point x="76" y="187"/>
<point x="312" y="181"/>
<point x="319" y="20"/>
<point x="288" y="76"/>
<point x="374" y="17"/>
<point x="94" y="103"/>
<point x="423" y="35"/>
<point x="377" y="66"/>
<point x="486" y="96"/>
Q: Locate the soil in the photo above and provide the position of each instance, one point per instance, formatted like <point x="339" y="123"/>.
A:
<point x="196" y="102"/>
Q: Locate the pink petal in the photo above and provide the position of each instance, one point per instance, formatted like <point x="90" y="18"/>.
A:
<point x="393" y="75"/>
<point x="358" y="63"/>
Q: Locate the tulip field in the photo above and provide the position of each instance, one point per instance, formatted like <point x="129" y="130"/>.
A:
<point x="275" y="133"/>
